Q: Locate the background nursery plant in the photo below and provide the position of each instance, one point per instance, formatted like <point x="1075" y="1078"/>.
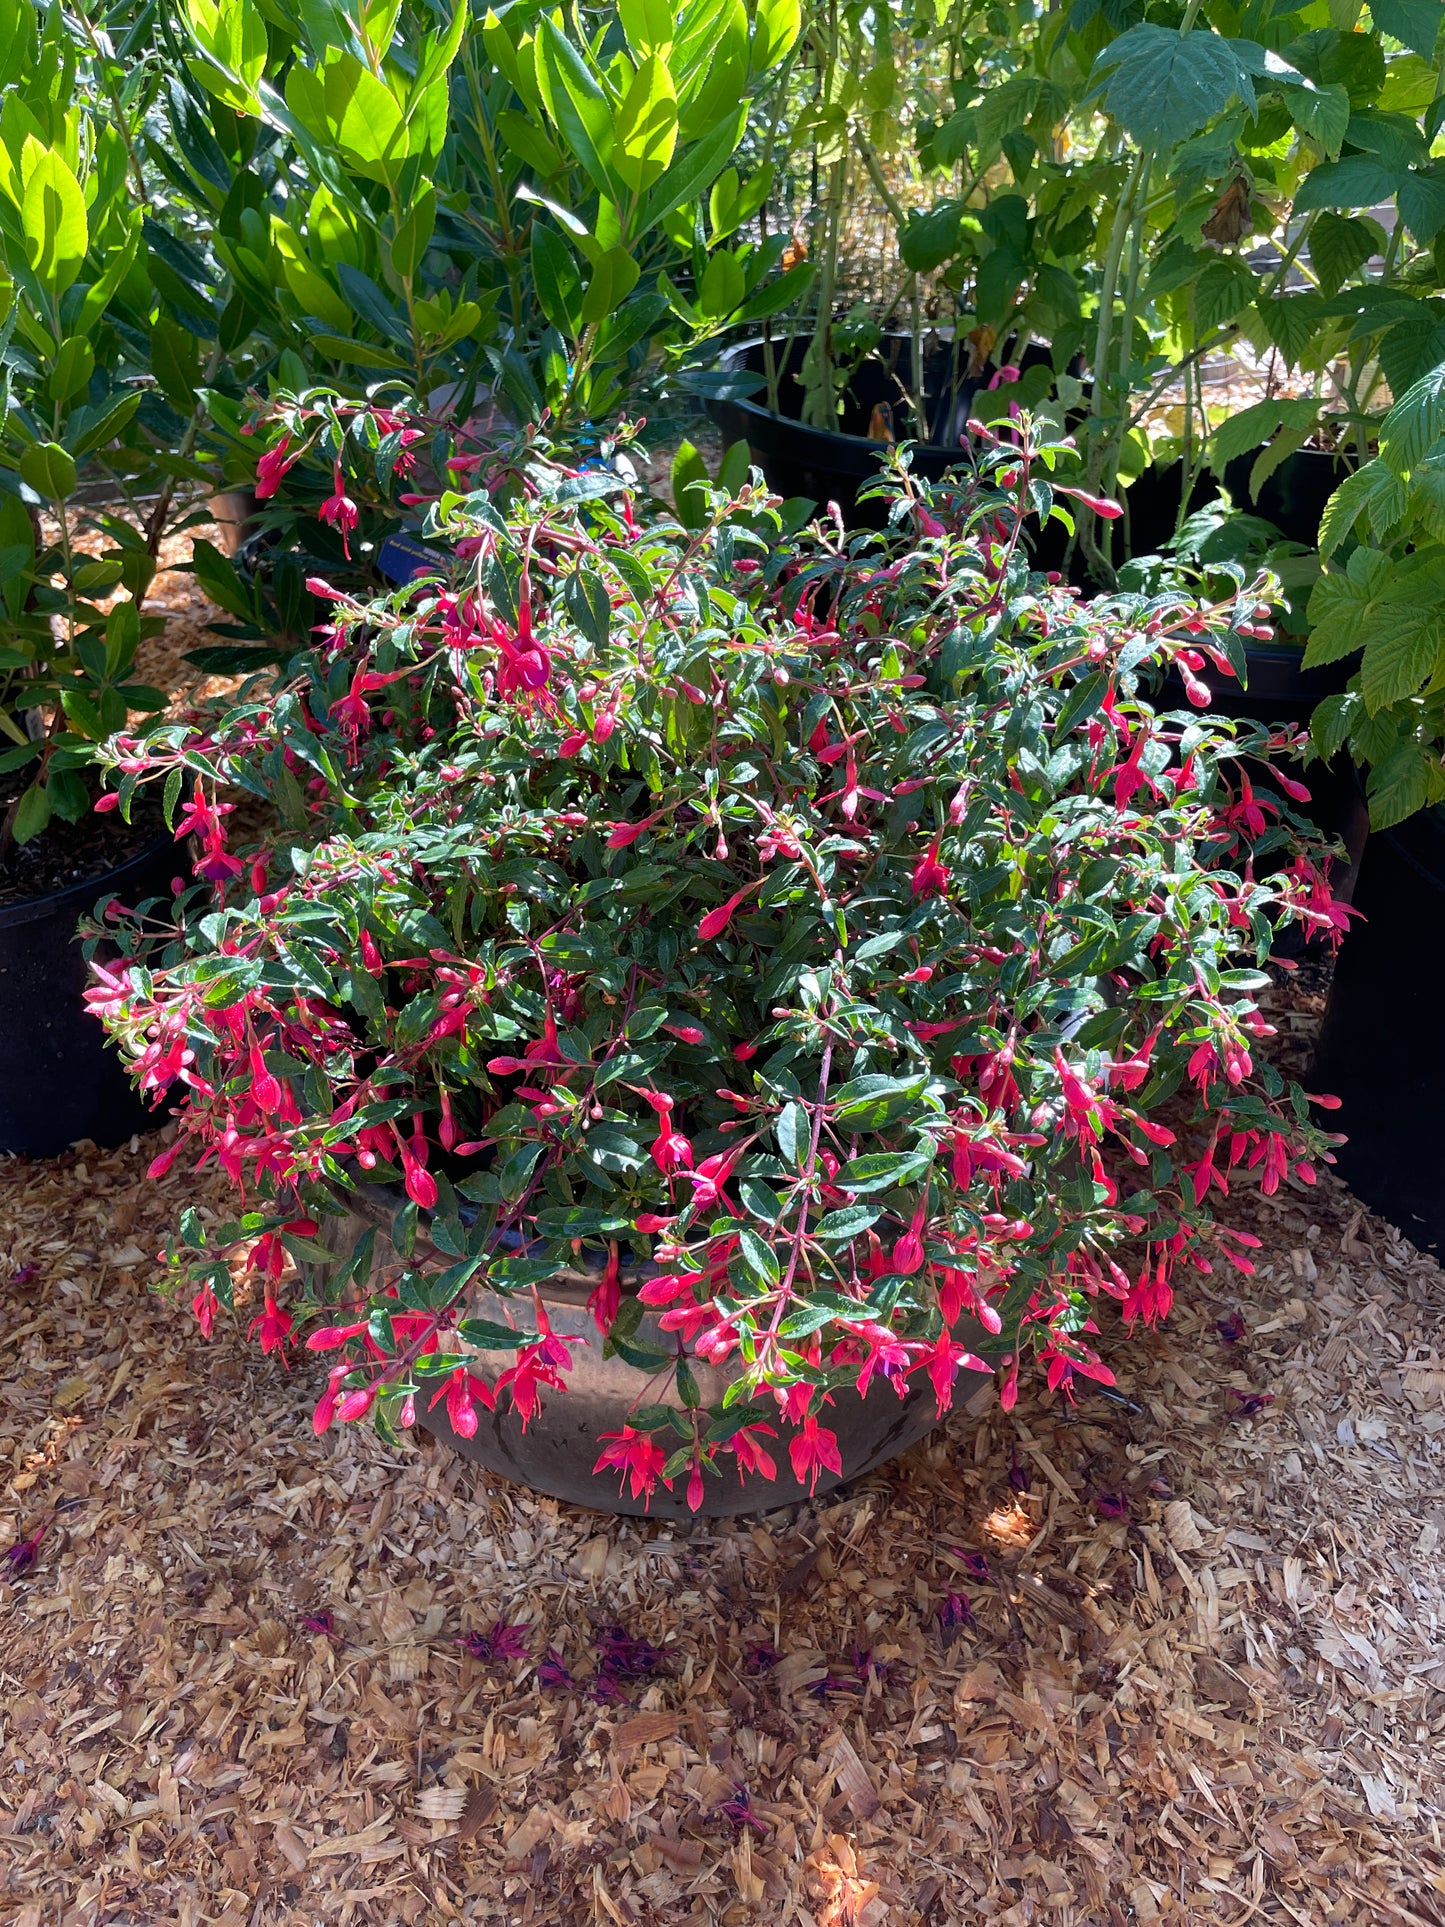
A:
<point x="817" y="942"/>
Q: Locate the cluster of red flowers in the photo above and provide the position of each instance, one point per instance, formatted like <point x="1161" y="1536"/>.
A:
<point x="825" y="1114"/>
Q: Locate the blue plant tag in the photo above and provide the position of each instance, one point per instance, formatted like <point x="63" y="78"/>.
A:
<point x="402" y="558"/>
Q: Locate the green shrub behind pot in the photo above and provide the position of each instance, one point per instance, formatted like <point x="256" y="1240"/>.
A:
<point x="829" y="929"/>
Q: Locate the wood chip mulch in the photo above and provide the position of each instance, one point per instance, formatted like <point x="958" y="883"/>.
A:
<point x="1193" y="1672"/>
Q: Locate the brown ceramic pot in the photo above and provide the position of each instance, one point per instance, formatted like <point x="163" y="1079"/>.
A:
<point x="557" y="1451"/>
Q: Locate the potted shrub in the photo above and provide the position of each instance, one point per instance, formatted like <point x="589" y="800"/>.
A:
<point x="753" y="988"/>
<point x="91" y="453"/>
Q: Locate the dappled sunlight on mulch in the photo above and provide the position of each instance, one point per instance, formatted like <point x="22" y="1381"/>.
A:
<point x="1194" y="1676"/>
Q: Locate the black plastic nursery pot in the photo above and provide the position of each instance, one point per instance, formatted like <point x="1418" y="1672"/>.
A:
<point x="59" y="1078"/>
<point x="828" y="466"/>
<point x="1294" y="496"/>
<point x="1382" y="1044"/>
<point x="557" y="1451"/>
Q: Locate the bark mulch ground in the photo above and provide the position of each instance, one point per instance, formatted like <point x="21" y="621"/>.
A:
<point x="1195" y="1672"/>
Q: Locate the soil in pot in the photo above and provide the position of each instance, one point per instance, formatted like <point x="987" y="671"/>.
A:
<point x="1382" y="1045"/>
<point x="558" y="1450"/>
<point x="66" y="854"/>
<point x="59" y="1078"/>
<point x="826" y="465"/>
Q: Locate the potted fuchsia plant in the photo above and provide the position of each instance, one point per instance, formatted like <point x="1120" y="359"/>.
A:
<point x="693" y="982"/>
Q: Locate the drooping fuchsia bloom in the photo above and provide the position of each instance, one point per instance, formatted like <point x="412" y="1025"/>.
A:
<point x="814" y="1449"/>
<point x="340" y="511"/>
<point x="930" y="875"/>
<point x="463" y="1393"/>
<point x="637" y="1456"/>
<point x="271" y="467"/>
<point x="716" y="921"/>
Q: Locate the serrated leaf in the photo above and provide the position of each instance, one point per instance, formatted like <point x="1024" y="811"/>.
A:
<point x="1375" y="489"/>
<point x="1164" y="85"/>
<point x="1340" y="245"/>
<point x="1398" y="787"/>
<point x="1290" y="321"/>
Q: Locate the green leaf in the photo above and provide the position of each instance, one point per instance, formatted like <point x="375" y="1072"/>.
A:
<point x="590" y="607"/>
<point x="689" y="481"/>
<point x="761" y="1200"/>
<point x="694" y="171"/>
<point x="555" y="277"/>
<point x="759" y="1257"/>
<point x="49" y="470"/>
<point x="577" y="105"/>
<point x="723" y="285"/>
<point x="875" y="1100"/>
<point x="882" y="1170"/>
<point x="928" y="240"/>
<point x="1340" y="245"/>
<point x="1389" y="607"/>
<point x="1321" y="112"/>
<point x="1398" y="786"/>
<point x="776" y="27"/>
<point x="489" y="1336"/>
<point x="1374" y="488"/>
<point x="849" y="1222"/>
<point x="648" y="24"/>
<point x="31" y="815"/>
<point x="1413" y="347"/>
<point x="1239" y="434"/>
<point x="1359" y="180"/>
<point x="1421" y="201"/>
<point x="1415" y="425"/>
<point x="1163" y="85"/>
<point x="644" y="127"/>
<point x="996" y="284"/>
<point x="1224" y="290"/>
<point x="1414" y="23"/>
<point x="1290" y="321"/>
<point x="53" y="219"/>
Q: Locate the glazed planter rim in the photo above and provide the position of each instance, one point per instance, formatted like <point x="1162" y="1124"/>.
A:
<point x="557" y="1452"/>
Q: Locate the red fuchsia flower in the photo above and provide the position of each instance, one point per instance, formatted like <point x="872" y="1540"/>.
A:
<point x="814" y="1450"/>
<point x="204" y="1306"/>
<point x="710" y="1177"/>
<point x="421" y="1186"/>
<point x="501" y="1642"/>
<point x="463" y="1394"/>
<point x="1153" y="1297"/>
<point x="908" y="1252"/>
<point x="930" y="876"/>
<point x="637" y="1456"/>
<point x="671" y="1151"/>
<point x="271" y="467"/>
<point x="1100" y="504"/>
<point x="943" y="1362"/>
<point x="884" y="1351"/>
<point x="274" y="1325"/>
<point x="716" y="921"/>
<point x="23" y="1554"/>
<point x="340" y="511"/>
<point x="751" y="1455"/>
<point x="605" y="1299"/>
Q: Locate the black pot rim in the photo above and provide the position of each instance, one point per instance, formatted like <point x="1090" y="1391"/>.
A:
<point x="954" y="453"/>
<point x="78" y="895"/>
